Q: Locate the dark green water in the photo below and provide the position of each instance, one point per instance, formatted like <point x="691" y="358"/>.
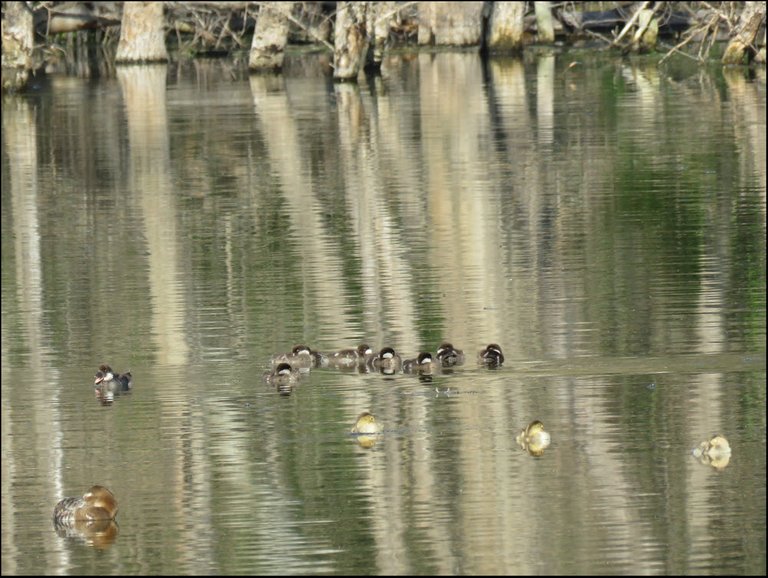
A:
<point x="604" y="223"/>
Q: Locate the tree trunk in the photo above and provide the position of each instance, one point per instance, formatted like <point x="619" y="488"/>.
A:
<point x="545" y="29"/>
<point x="746" y="32"/>
<point x="647" y="33"/>
<point x="142" y="35"/>
<point x="380" y="15"/>
<point x="350" y="40"/>
<point x="18" y="42"/>
<point x="450" y="23"/>
<point x="270" y="36"/>
<point x="505" y="31"/>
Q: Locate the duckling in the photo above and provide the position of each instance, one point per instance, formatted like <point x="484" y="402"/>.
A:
<point x="366" y="430"/>
<point x="534" y="439"/>
<point x="365" y="424"/>
<point x="302" y="358"/>
<point x="423" y="364"/>
<point x="350" y="359"/>
<point x="448" y="355"/>
<point x="283" y="377"/>
<point x="110" y="381"/>
<point x="715" y="452"/>
<point x="98" y="503"/>
<point x="387" y="361"/>
<point x="491" y="355"/>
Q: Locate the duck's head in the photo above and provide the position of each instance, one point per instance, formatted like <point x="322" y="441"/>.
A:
<point x="387" y="353"/>
<point x="100" y="503"/>
<point x="283" y="369"/>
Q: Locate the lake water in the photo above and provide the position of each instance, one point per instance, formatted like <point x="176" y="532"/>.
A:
<point x="602" y="219"/>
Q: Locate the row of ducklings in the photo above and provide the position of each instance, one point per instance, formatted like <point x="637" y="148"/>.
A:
<point x="287" y="367"/>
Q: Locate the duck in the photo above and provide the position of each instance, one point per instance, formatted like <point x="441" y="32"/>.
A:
<point x="423" y="364"/>
<point x="491" y="355"/>
<point x="448" y="355"/>
<point x="283" y="377"/>
<point x="715" y="452"/>
<point x="98" y="503"/>
<point x="386" y="361"/>
<point x="302" y="358"/>
<point x="351" y="359"/>
<point x="534" y="439"/>
<point x="109" y="380"/>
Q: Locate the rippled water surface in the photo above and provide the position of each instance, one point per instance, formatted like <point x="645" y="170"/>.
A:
<point x="604" y="223"/>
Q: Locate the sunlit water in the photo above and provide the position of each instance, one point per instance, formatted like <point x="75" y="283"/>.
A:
<point x="604" y="223"/>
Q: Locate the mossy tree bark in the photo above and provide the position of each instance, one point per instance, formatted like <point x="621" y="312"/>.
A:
<point x="746" y="31"/>
<point x="350" y="40"/>
<point x="270" y="36"/>
<point x="142" y="33"/>
<point x="450" y="23"/>
<point x="18" y="42"/>
<point x="545" y="29"/>
<point x="506" y="27"/>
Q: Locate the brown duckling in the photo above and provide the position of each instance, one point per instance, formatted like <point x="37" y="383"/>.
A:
<point x="351" y="359"/>
<point x="449" y="356"/>
<point x="425" y="363"/>
<point x="283" y="378"/>
<point x="491" y="355"/>
<point x="302" y="358"/>
<point x="386" y="361"/>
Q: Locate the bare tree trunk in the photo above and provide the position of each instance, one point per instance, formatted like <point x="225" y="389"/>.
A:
<point x="270" y="36"/>
<point x="505" y="31"/>
<point x="350" y="40"/>
<point x="544" y="28"/>
<point x="647" y="33"/>
<point x="380" y="15"/>
<point x="746" y="32"/>
<point x="18" y="42"/>
<point x="450" y="23"/>
<point x="142" y="35"/>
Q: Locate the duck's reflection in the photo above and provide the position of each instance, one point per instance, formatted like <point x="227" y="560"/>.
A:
<point x="94" y="533"/>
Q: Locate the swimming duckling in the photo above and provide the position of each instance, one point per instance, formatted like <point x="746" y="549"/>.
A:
<point x="715" y="452"/>
<point x="366" y="430"/>
<point x="302" y="358"/>
<point x="534" y="439"/>
<point x="387" y="361"/>
<point x="283" y="377"/>
<point x="365" y="424"/>
<point x="491" y="355"/>
<point x="449" y="356"/>
<point x="351" y="359"/>
<point x="424" y="364"/>
<point x="98" y="503"/>
<point x="109" y="380"/>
